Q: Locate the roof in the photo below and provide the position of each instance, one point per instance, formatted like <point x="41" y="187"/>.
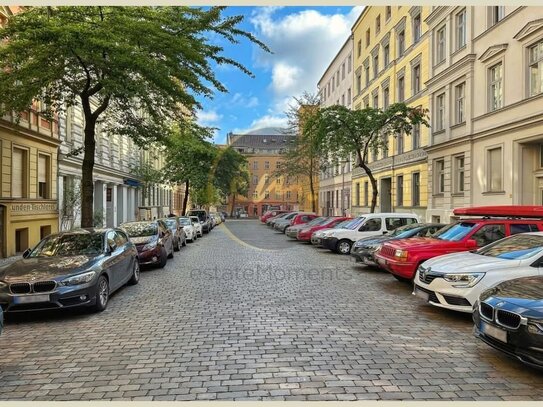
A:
<point x="261" y="141"/>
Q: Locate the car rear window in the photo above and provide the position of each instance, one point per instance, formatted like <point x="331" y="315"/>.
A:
<point x="514" y="248"/>
<point x="523" y="228"/>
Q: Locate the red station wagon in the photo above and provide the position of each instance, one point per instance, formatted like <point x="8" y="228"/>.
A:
<point x="304" y="234"/>
<point x="403" y="257"/>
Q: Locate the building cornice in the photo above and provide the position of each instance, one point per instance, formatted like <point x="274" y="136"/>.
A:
<point x="446" y="73"/>
<point x="30" y="134"/>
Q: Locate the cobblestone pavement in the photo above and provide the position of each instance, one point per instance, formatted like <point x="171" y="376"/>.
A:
<point x="225" y="320"/>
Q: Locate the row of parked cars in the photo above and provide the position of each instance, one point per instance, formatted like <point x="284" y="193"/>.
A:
<point x="488" y="263"/>
<point x="81" y="268"/>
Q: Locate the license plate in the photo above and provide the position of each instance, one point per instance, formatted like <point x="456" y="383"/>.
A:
<point x="494" y="332"/>
<point x="27" y="299"/>
<point x="422" y="294"/>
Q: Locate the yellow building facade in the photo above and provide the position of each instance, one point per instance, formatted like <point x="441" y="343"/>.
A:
<point x="391" y="65"/>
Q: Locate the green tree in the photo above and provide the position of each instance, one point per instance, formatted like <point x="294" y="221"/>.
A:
<point x="303" y="159"/>
<point x="132" y="68"/>
<point x="231" y="175"/>
<point x="343" y="132"/>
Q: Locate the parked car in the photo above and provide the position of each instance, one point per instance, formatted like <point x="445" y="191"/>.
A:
<point x="216" y="218"/>
<point x="223" y="216"/>
<point x="318" y="236"/>
<point x="178" y="232"/>
<point x="455" y="281"/>
<point x="403" y="257"/>
<point x="188" y="227"/>
<point x="292" y="231"/>
<point x="371" y="224"/>
<point x="70" y="269"/>
<point x="202" y="217"/>
<point x="1" y="320"/>
<point x="153" y="240"/>
<point x="271" y="214"/>
<point x="509" y="317"/>
<point x="284" y="221"/>
<point x="306" y="231"/>
<point x="363" y="249"/>
<point x="197" y="225"/>
<point x="297" y="219"/>
<point x="271" y="221"/>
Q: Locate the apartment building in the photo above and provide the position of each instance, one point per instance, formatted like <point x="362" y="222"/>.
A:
<point x="336" y="88"/>
<point x="391" y="65"/>
<point x="486" y="91"/>
<point x="264" y="149"/>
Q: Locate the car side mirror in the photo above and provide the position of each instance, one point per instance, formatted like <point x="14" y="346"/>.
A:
<point x="26" y="253"/>
<point x="472" y="244"/>
<point x="161" y="234"/>
<point x="385" y="232"/>
<point x="111" y="248"/>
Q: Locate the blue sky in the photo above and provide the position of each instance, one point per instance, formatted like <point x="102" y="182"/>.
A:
<point x="303" y="41"/>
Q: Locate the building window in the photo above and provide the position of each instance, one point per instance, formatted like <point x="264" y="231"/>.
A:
<point x="461" y="29"/>
<point x="494" y="165"/>
<point x="399" y="143"/>
<point x="367" y="70"/>
<point x="386" y="55"/>
<point x="288" y="195"/>
<point x="401" y="43"/>
<point x="255" y="179"/>
<point x="368" y="38"/>
<point x="536" y="69"/>
<point x="359" y="48"/>
<point x="440" y="51"/>
<point x="399" y="190"/>
<point x="388" y="12"/>
<point x="349" y="63"/>
<point x="440" y="110"/>
<point x="497" y="13"/>
<point x="358" y="84"/>
<point x="277" y="165"/>
<point x="415" y="188"/>
<point x="378" y="24"/>
<point x="349" y="96"/>
<point x="459" y="174"/>
<point x="19" y="175"/>
<point x="357" y="192"/>
<point x="337" y="78"/>
<point x="267" y="195"/>
<point x="255" y="165"/>
<point x="366" y="193"/>
<point x="439" y="176"/>
<point x="416" y="79"/>
<point x="376" y="65"/>
<point x="386" y="95"/>
<point x="459" y="95"/>
<point x="495" y="87"/>
<point x="417" y="28"/>
<point x="401" y="89"/>
<point x="255" y="195"/>
<point x="266" y="165"/>
<point x="343" y="71"/>
<point x="416" y="136"/>
<point x="278" y="180"/>
<point x="44" y="176"/>
<point x="385" y="146"/>
<point x="266" y="179"/>
<point x="376" y="100"/>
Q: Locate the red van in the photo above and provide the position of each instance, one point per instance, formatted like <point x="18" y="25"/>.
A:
<point x="403" y="257"/>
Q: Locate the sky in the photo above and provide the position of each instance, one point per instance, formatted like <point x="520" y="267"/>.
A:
<point x="303" y="41"/>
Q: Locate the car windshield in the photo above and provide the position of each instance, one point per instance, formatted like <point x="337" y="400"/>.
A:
<point x="185" y="221"/>
<point x="405" y="231"/>
<point x="171" y="222"/>
<point x="195" y="219"/>
<point x="343" y="225"/>
<point x="140" y="229"/>
<point x="455" y="232"/>
<point x="317" y="221"/>
<point x="69" y="245"/>
<point x="516" y="247"/>
<point x="355" y="223"/>
<point x="290" y="215"/>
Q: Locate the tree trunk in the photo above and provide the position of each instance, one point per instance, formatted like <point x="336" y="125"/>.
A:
<point x="87" y="184"/>
<point x="185" y="198"/>
<point x="373" y="186"/>
<point x="312" y="191"/>
<point x="233" y="205"/>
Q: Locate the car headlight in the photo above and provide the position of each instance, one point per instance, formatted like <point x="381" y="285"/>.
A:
<point x="151" y="245"/>
<point x="79" y="279"/>
<point x="464" y="280"/>
<point x="358" y="244"/>
<point x="535" y="327"/>
<point x="401" y="254"/>
<point x="376" y="247"/>
<point x="2" y="284"/>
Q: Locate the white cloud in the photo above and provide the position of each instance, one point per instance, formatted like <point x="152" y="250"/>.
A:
<point x="262" y="122"/>
<point x="248" y="102"/>
<point x="209" y="117"/>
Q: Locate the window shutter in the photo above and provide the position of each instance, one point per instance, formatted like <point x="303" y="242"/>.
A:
<point x="17" y="173"/>
<point x="42" y="168"/>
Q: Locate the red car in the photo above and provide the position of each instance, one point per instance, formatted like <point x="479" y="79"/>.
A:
<point x="305" y="233"/>
<point x="270" y="214"/>
<point x="402" y="257"/>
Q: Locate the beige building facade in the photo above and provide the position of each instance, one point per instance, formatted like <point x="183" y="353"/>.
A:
<point x="486" y="92"/>
<point x="336" y="88"/>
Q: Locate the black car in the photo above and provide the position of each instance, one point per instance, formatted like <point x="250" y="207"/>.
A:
<point x="203" y="217"/>
<point x="70" y="269"/>
<point x="509" y="317"/>
<point x="363" y="249"/>
<point x="153" y="239"/>
<point x="179" y="236"/>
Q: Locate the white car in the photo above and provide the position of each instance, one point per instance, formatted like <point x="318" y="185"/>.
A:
<point x="454" y="281"/>
<point x="188" y="227"/>
<point x="371" y="224"/>
<point x="316" y="237"/>
<point x="197" y="225"/>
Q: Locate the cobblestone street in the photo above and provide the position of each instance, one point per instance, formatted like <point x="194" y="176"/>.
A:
<point x="245" y="314"/>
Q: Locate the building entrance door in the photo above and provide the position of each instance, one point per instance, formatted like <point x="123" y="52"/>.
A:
<point x="386" y="194"/>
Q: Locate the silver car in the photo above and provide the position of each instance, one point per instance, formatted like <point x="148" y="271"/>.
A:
<point x="189" y="228"/>
<point x="197" y="225"/>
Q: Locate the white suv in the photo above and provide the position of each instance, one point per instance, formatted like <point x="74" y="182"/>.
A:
<point x="371" y="224"/>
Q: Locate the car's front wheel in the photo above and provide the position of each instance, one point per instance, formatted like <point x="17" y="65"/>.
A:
<point x="163" y="258"/>
<point x="344" y="246"/>
<point x="102" y="294"/>
<point x="135" y="279"/>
